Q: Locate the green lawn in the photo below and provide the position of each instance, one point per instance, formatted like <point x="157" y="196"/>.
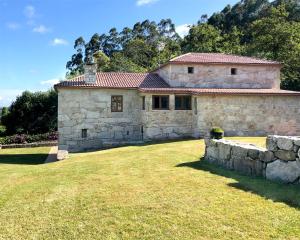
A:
<point x="159" y="191"/>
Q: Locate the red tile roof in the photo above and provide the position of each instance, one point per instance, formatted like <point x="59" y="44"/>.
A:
<point x="152" y="83"/>
<point x="219" y="58"/>
<point x="224" y="91"/>
<point x="117" y="80"/>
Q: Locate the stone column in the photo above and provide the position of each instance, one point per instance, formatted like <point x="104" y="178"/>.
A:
<point x="148" y="103"/>
<point x="172" y="102"/>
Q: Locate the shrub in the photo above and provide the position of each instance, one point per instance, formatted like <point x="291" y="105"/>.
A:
<point x="2" y="130"/>
<point x="23" y="138"/>
<point x="216" y="133"/>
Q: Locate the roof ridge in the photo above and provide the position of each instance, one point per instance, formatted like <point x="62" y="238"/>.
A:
<point x="172" y="59"/>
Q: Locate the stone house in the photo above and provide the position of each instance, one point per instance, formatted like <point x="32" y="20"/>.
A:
<point x="183" y="98"/>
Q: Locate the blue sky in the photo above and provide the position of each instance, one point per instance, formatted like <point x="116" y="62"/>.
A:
<point x="37" y="36"/>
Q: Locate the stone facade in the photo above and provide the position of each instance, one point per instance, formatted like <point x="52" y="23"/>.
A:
<point x="279" y="162"/>
<point x="219" y="76"/>
<point x="90" y="109"/>
<point x="238" y="115"/>
<point x="166" y="124"/>
<point x="86" y="120"/>
<point x="249" y="115"/>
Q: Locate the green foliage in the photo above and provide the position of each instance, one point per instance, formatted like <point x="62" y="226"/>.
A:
<point x="101" y="60"/>
<point x="216" y="133"/>
<point x="138" y="49"/>
<point x="120" y="63"/>
<point x="275" y="37"/>
<point x="203" y="38"/>
<point x="2" y="130"/>
<point x="32" y="113"/>
<point x="24" y="138"/>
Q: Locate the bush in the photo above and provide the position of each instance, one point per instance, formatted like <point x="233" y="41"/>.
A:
<point x="2" y="130"/>
<point x="216" y="133"/>
<point x="23" y="138"/>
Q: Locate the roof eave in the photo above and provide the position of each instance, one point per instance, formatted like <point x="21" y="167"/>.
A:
<point x="217" y="63"/>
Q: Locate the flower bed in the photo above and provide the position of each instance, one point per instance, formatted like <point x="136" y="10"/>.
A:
<point x="25" y="139"/>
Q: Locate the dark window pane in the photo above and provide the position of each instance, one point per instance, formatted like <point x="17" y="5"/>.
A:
<point x="177" y="102"/>
<point x="143" y="103"/>
<point x="190" y="70"/>
<point x="156" y="102"/>
<point x="187" y="102"/>
<point x="116" y="103"/>
<point x="182" y="102"/>
<point x="160" y="102"/>
<point x="84" y="133"/>
<point x="164" y="103"/>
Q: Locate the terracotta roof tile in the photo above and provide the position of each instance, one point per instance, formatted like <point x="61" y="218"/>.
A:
<point x="219" y="58"/>
<point x="117" y="80"/>
<point x="207" y="91"/>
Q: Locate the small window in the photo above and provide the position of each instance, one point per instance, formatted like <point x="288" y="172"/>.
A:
<point x="233" y="71"/>
<point x="117" y="103"/>
<point x="190" y="70"/>
<point x="160" y="102"/>
<point x="84" y="133"/>
<point x="143" y="103"/>
<point x="183" y="103"/>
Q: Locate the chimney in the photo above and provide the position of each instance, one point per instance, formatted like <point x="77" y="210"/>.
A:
<point x="90" y="71"/>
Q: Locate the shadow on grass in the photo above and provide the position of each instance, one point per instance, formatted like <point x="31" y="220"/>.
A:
<point x="26" y="159"/>
<point x="277" y="192"/>
<point x="139" y="144"/>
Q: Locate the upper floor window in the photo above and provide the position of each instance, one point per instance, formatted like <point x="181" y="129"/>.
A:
<point x="117" y="103"/>
<point x="160" y="102"/>
<point x="233" y="71"/>
<point x="190" y="70"/>
<point x="183" y="103"/>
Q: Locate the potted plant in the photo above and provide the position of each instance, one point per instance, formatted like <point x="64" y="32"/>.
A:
<point x="216" y="133"/>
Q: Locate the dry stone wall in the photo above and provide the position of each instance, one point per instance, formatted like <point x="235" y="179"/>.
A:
<point x="279" y="162"/>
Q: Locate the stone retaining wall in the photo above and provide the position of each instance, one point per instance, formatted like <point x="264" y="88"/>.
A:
<point x="30" y="145"/>
<point x="279" y="162"/>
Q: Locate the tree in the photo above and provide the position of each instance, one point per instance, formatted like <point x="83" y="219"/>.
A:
<point x="276" y="38"/>
<point x="202" y="38"/>
<point x="136" y="47"/>
<point x="120" y="63"/>
<point x="101" y="60"/>
<point x="32" y="113"/>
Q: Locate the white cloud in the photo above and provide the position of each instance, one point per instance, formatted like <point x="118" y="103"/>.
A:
<point x="183" y="29"/>
<point x="50" y="81"/>
<point x="7" y="96"/>
<point x="59" y="41"/>
<point x="13" y="25"/>
<point x="29" y="11"/>
<point x="33" y="71"/>
<point x="145" y="2"/>
<point x="41" y="29"/>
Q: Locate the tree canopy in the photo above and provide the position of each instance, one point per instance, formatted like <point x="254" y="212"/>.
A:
<point x="31" y="113"/>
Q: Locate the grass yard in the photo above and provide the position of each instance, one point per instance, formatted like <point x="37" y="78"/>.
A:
<point x="159" y="191"/>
